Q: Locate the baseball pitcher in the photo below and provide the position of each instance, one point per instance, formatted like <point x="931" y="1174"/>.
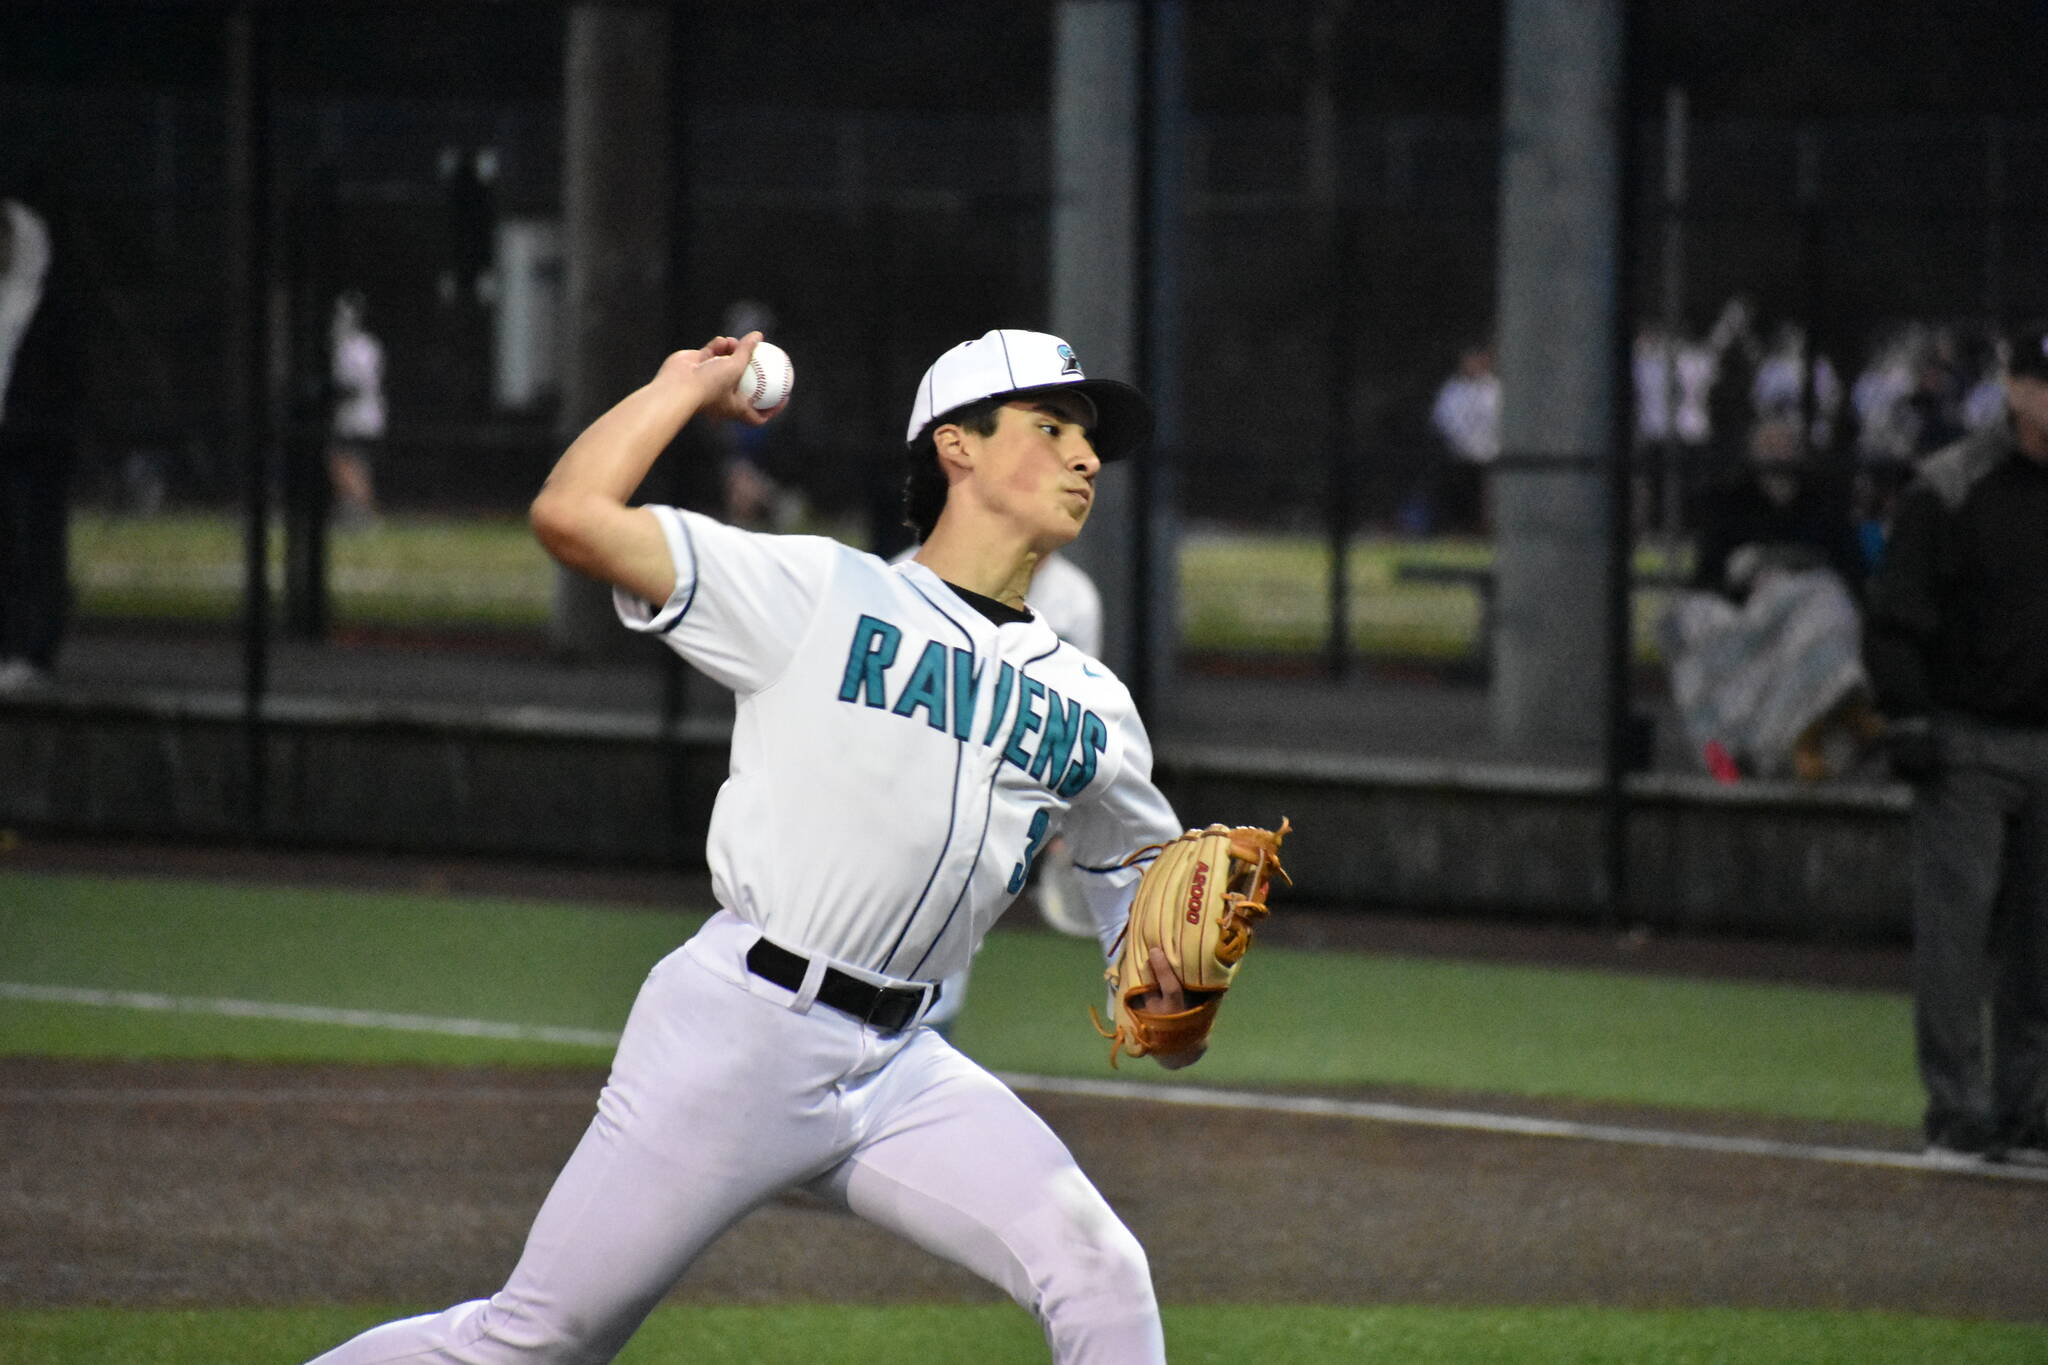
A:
<point x="907" y="739"/>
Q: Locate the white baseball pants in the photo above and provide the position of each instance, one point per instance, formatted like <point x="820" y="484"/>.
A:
<point x="728" y="1090"/>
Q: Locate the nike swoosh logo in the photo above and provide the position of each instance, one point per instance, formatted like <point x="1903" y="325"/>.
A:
<point x="1093" y="671"/>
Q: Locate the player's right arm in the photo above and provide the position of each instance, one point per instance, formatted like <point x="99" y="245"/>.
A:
<point x="582" y="517"/>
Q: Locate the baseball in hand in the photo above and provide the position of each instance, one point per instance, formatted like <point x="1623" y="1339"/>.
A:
<point x="768" y="378"/>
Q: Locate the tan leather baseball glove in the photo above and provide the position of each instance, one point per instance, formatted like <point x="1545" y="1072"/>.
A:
<point x="1197" y="902"/>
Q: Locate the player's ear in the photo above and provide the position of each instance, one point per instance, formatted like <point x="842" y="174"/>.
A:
<point x="950" y="441"/>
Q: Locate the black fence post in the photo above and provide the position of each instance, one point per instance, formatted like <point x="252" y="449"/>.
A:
<point x="676" y="676"/>
<point x="1622" y="745"/>
<point x="247" y="376"/>
<point x="1341" y="445"/>
<point x="312" y="290"/>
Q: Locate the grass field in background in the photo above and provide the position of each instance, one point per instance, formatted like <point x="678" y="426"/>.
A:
<point x="1210" y="1334"/>
<point x="1241" y="591"/>
<point x="462" y="571"/>
<point x="1312" y="1019"/>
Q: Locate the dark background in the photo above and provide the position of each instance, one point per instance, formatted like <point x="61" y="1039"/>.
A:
<point x="878" y="174"/>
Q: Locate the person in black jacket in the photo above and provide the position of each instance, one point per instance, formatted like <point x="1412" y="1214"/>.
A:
<point x="1783" y="510"/>
<point x="1956" y="643"/>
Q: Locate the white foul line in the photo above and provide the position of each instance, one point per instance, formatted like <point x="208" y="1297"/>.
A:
<point x="1306" y="1105"/>
<point x="308" y="1014"/>
<point x="1477" y="1121"/>
<point x="299" y="1094"/>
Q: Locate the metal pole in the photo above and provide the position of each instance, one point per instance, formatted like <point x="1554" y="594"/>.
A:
<point x="1994" y="220"/>
<point x="1143" y="485"/>
<point x="308" y="423"/>
<point x="1341" y="347"/>
<point x="1319" y="138"/>
<point x="1160" y="24"/>
<point x="247" y="370"/>
<point x="1559" y="271"/>
<point x="616" y="160"/>
<point x="1321" y="135"/>
<point x="1811" y="267"/>
<point x="1674" y="307"/>
<point x="1619" y="751"/>
<point x="675" y="674"/>
<point x="1096" y="270"/>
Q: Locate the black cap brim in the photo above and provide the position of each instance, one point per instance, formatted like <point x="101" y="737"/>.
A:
<point x="2027" y="357"/>
<point x="1123" y="416"/>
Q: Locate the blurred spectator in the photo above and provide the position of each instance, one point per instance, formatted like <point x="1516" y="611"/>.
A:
<point x="1957" y="644"/>
<point x="1674" y="386"/>
<point x="1924" y="388"/>
<point x="1779" y="390"/>
<point x="1873" y="500"/>
<point x="1466" y="418"/>
<point x="1780" y="511"/>
<point x="41" y="390"/>
<point x="1984" y="386"/>
<point x="1878" y="398"/>
<point x="357" y="426"/>
<point x="1763" y="648"/>
<point x="1935" y="403"/>
<point x="1673" y="379"/>
<point x="1737" y="354"/>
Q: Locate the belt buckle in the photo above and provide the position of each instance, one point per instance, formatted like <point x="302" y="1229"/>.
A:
<point x="901" y="1007"/>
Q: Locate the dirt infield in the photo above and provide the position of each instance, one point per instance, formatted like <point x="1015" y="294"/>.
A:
<point x="217" y="1183"/>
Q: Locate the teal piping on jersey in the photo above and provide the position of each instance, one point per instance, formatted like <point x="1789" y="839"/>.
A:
<point x="953" y="807"/>
<point x="690" y="544"/>
<point x="975" y="865"/>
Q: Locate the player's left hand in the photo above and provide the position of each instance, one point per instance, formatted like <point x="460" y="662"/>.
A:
<point x="1170" y="997"/>
<point x="1189" y="925"/>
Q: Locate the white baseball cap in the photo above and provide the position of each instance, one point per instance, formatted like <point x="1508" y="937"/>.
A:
<point x="1008" y="363"/>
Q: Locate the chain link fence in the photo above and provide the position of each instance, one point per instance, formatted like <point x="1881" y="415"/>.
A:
<point x="1317" y="329"/>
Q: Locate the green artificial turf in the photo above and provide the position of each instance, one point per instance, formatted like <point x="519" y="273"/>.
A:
<point x="1210" y="1334"/>
<point x="1322" y="1019"/>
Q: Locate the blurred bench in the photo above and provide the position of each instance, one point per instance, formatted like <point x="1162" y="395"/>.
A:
<point x="1479" y="579"/>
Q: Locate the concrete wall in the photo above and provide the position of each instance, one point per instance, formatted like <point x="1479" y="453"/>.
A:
<point x="1776" y="858"/>
<point x="1813" y="862"/>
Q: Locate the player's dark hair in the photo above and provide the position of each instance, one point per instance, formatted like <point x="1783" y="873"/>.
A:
<point x="924" y="486"/>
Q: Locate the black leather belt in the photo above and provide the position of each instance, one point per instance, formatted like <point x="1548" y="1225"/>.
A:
<point x="889" y="1009"/>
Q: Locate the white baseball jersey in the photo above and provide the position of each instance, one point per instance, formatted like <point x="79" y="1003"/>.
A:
<point x="898" y="759"/>
<point x="1063" y="596"/>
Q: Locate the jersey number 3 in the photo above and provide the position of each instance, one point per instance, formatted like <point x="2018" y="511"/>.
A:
<point x="1039" y="824"/>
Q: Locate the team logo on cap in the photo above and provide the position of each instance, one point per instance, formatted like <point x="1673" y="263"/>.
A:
<point x="1069" y="362"/>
